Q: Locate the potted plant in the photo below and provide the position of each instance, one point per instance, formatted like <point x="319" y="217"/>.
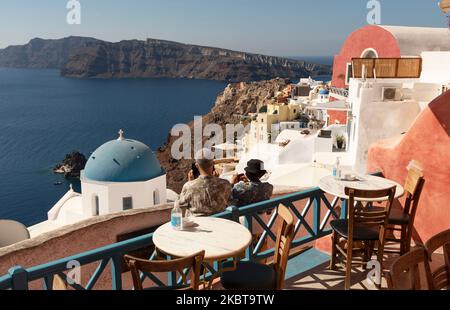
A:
<point x="340" y="141"/>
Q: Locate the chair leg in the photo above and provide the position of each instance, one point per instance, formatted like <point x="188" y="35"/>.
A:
<point x="406" y="239"/>
<point x="348" y="269"/>
<point x="380" y="255"/>
<point x="368" y="252"/>
<point x="334" y="240"/>
<point x="371" y="249"/>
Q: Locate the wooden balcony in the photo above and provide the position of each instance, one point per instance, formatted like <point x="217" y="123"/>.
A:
<point x="387" y="68"/>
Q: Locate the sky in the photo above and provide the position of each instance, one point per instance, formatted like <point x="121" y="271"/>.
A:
<point x="272" y="27"/>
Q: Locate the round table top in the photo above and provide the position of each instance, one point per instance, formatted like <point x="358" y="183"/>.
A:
<point x="336" y="187"/>
<point x="221" y="239"/>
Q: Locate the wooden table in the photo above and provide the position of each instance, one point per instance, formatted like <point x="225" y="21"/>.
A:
<point x="336" y="187"/>
<point x="221" y="239"/>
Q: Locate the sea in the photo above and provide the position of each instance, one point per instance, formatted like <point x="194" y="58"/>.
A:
<point x="44" y="116"/>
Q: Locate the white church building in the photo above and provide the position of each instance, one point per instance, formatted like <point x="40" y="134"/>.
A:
<point x="120" y="175"/>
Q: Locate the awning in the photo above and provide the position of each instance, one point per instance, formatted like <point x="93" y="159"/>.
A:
<point x="338" y="105"/>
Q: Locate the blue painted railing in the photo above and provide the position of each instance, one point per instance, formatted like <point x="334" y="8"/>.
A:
<point x="305" y="202"/>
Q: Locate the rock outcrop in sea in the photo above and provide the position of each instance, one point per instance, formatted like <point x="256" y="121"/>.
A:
<point x="235" y="101"/>
<point x="72" y="165"/>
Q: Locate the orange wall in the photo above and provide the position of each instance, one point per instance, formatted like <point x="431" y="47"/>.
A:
<point x="428" y="141"/>
<point x="339" y="116"/>
<point x="366" y="37"/>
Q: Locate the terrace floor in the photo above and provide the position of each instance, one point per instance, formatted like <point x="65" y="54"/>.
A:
<point x="309" y="271"/>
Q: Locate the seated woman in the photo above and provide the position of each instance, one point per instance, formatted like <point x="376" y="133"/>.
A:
<point x="249" y="189"/>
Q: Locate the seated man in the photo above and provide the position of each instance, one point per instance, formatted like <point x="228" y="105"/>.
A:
<point x="207" y="194"/>
<point x="250" y="190"/>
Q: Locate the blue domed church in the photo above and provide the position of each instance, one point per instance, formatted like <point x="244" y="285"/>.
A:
<point x="120" y="175"/>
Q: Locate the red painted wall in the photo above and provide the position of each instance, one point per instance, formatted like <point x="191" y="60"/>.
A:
<point x="428" y="141"/>
<point x="339" y="116"/>
<point x="366" y="37"/>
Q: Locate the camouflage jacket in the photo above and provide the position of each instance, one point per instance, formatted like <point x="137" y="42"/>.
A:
<point x="247" y="193"/>
<point x="205" y="195"/>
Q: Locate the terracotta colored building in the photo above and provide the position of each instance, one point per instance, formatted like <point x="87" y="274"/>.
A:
<point x="428" y="141"/>
<point x="428" y="138"/>
<point x="383" y="42"/>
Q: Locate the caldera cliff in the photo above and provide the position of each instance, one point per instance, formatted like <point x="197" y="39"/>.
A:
<point x="237" y="100"/>
<point x="165" y="59"/>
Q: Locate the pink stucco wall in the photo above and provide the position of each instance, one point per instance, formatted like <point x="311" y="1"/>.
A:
<point x="374" y="37"/>
<point x="428" y="141"/>
<point x="366" y="37"/>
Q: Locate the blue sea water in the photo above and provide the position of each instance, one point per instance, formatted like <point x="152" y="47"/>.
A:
<point x="44" y="116"/>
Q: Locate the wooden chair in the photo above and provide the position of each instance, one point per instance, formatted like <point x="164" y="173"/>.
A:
<point x="404" y="219"/>
<point x="441" y="276"/>
<point x="193" y="262"/>
<point x="365" y="226"/>
<point x="404" y="273"/>
<point x="254" y="276"/>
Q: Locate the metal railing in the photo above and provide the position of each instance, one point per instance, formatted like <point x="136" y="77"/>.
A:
<point x="343" y="92"/>
<point x="312" y="210"/>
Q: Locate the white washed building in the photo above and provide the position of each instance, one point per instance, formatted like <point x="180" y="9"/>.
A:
<point x="120" y="175"/>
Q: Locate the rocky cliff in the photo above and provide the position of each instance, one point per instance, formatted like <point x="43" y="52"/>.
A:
<point x="91" y="58"/>
<point x="235" y="101"/>
<point x="42" y="54"/>
<point x="164" y="59"/>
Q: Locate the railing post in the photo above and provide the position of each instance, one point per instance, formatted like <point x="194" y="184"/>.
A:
<point x="316" y="215"/>
<point x="19" y="278"/>
<point x="344" y="209"/>
<point x="234" y="213"/>
<point x="172" y="276"/>
<point x="248" y="221"/>
<point x="116" y="270"/>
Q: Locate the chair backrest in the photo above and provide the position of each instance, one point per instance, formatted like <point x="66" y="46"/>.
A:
<point x="358" y="215"/>
<point x="283" y="244"/>
<point x="413" y="186"/>
<point x="12" y="232"/>
<point x="183" y="266"/>
<point x="404" y="273"/>
<point x="441" y="276"/>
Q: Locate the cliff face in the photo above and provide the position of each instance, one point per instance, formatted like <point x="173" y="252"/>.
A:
<point x="42" y="54"/>
<point x="91" y="58"/>
<point x="164" y="59"/>
<point x="236" y="100"/>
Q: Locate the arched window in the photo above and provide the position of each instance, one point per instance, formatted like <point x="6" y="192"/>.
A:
<point x="156" y="199"/>
<point x="96" y="204"/>
<point x="369" y="53"/>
